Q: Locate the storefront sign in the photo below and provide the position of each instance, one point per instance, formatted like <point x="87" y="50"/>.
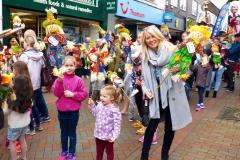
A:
<point x="111" y="6"/>
<point x="168" y="17"/>
<point x="139" y="11"/>
<point x="77" y="8"/>
<point x="176" y="23"/>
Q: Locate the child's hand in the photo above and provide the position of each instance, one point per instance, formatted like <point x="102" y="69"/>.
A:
<point x="90" y="102"/>
<point x="68" y="93"/>
<point x="112" y="139"/>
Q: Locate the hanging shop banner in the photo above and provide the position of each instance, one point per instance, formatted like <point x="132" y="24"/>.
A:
<point x="77" y="8"/>
<point x="220" y="19"/>
<point x="168" y="17"/>
<point x="139" y="11"/>
<point x="111" y="6"/>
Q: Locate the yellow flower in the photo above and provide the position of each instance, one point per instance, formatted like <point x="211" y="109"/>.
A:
<point x="7" y="78"/>
<point x="184" y="77"/>
<point x="178" y="58"/>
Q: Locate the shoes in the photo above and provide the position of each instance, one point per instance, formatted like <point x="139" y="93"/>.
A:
<point x="226" y="87"/>
<point x="137" y="124"/>
<point x="202" y="106"/>
<point x="6" y="142"/>
<point x="18" y="147"/>
<point x="214" y="94"/>
<point x="134" y="92"/>
<point x="141" y="139"/>
<point x="30" y="132"/>
<point x="71" y="156"/>
<point x="206" y="93"/>
<point x="198" y="107"/>
<point x="38" y="128"/>
<point x="141" y="131"/>
<point x="63" y="156"/>
<point x="229" y="90"/>
<point x="154" y="141"/>
<point x="45" y="119"/>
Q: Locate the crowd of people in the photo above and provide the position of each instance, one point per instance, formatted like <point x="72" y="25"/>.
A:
<point x="121" y="75"/>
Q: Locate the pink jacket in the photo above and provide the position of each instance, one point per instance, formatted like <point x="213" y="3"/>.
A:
<point x="74" y="84"/>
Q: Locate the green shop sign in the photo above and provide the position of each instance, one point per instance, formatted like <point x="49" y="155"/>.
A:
<point x="111" y="6"/>
<point x="91" y="9"/>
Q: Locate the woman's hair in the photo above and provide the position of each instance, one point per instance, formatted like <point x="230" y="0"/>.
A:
<point x="154" y="31"/>
<point x="71" y="58"/>
<point x="21" y="68"/>
<point x="30" y="41"/>
<point x="9" y="41"/>
<point x="23" y="90"/>
<point x="113" y="92"/>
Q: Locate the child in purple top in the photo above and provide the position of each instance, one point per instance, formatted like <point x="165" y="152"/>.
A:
<point x="71" y="91"/>
<point x="108" y="121"/>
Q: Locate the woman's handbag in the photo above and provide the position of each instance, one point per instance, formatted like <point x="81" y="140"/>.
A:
<point x="46" y="78"/>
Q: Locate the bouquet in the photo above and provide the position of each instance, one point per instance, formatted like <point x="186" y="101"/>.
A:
<point x="199" y="35"/>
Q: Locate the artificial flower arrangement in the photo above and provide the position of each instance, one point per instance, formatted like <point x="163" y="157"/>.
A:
<point x="54" y="39"/>
<point x="6" y="86"/>
<point x="199" y="35"/>
<point x="216" y="57"/>
<point x="115" y="79"/>
<point x="96" y="58"/>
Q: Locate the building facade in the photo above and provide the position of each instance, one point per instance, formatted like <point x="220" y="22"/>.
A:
<point x="179" y="14"/>
<point x="137" y="14"/>
<point x="76" y="15"/>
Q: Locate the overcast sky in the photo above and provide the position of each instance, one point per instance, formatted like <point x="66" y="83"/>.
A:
<point x="219" y="3"/>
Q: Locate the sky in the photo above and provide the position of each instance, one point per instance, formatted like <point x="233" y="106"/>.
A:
<point x="219" y="3"/>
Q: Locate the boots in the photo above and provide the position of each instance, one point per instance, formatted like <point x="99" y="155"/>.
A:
<point x="214" y="94"/>
<point x="206" y="93"/>
<point x="165" y="155"/>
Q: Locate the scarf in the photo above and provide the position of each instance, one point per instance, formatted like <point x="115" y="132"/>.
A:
<point x="156" y="62"/>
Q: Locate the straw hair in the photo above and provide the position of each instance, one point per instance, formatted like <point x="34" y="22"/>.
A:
<point x="112" y="92"/>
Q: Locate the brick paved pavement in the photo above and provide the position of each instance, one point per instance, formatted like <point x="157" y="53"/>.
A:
<point x="206" y="138"/>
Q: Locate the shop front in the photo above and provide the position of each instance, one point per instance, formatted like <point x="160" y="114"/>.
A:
<point x="76" y="16"/>
<point x="175" y="24"/>
<point x="136" y="15"/>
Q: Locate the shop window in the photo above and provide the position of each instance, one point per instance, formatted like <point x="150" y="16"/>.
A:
<point x="174" y="3"/>
<point x="194" y="7"/>
<point x="183" y="4"/>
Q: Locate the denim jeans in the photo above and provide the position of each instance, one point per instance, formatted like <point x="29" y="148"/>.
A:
<point x="218" y="75"/>
<point x="68" y="124"/>
<point x="40" y="103"/>
<point x="200" y="94"/>
<point x="35" y="115"/>
<point x="187" y="90"/>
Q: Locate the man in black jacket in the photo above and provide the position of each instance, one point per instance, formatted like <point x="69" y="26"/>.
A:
<point x="233" y="57"/>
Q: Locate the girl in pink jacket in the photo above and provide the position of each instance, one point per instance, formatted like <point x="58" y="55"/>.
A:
<point x="71" y="91"/>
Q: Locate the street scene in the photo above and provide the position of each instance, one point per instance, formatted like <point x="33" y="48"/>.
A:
<point x="120" y="80"/>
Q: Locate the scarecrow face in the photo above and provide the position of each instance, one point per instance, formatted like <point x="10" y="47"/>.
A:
<point x="234" y="9"/>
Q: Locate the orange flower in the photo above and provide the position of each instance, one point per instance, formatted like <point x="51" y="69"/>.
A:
<point x="6" y="78"/>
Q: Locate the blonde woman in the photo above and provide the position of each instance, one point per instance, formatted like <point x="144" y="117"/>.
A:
<point x="167" y="102"/>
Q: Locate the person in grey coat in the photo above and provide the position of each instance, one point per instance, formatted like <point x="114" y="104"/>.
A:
<point x="167" y="102"/>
